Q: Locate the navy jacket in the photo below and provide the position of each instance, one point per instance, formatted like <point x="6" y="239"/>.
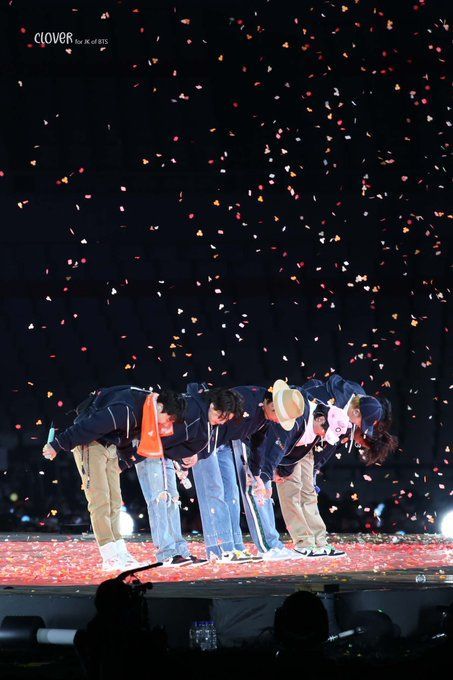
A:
<point x="251" y="428"/>
<point x="193" y="435"/>
<point x="335" y="390"/>
<point x="114" y="417"/>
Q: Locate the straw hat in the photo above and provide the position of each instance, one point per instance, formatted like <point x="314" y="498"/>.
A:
<point x="289" y="404"/>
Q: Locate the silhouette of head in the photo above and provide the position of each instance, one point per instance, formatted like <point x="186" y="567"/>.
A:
<point x="301" y="621"/>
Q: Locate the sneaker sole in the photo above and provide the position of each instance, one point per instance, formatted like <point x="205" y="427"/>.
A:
<point x="235" y="562"/>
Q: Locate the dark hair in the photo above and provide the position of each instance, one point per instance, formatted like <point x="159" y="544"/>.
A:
<point x="377" y="449"/>
<point x="386" y="420"/>
<point x="268" y="397"/>
<point x="322" y="410"/>
<point x="226" y="401"/>
<point x="383" y="443"/>
<point x="174" y="404"/>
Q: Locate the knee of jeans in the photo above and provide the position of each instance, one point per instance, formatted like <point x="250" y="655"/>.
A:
<point x="162" y="497"/>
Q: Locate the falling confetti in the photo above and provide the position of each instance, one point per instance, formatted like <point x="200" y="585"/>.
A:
<point x="259" y="195"/>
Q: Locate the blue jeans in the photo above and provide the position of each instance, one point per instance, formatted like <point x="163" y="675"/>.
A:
<point x="219" y="502"/>
<point x="267" y="518"/>
<point x="158" y="482"/>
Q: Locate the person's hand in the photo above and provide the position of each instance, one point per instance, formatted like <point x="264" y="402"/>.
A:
<point x="259" y="491"/>
<point x="258" y="486"/>
<point x="278" y="479"/>
<point x="190" y="461"/>
<point x="48" y="452"/>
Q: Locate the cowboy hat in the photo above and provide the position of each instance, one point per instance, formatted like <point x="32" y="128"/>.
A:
<point x="289" y="404"/>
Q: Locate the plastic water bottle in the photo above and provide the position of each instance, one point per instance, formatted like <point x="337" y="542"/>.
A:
<point x="193" y="635"/>
<point x="202" y="635"/>
<point x="212" y="636"/>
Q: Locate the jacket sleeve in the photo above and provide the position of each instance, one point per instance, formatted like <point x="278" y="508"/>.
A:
<point x="273" y="450"/>
<point x="286" y="470"/>
<point x="342" y="390"/>
<point x="257" y="443"/>
<point x="287" y="465"/>
<point x="177" y="452"/>
<point x="89" y="428"/>
<point x="186" y="450"/>
<point x="272" y="457"/>
<point x="182" y="432"/>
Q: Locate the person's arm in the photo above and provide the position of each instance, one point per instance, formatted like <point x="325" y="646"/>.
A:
<point x="257" y="450"/>
<point x="183" y="451"/>
<point x="272" y="458"/>
<point x="282" y="472"/>
<point x="88" y="429"/>
<point x="273" y="451"/>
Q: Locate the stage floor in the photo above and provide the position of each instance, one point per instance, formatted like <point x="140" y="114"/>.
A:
<point x="65" y="562"/>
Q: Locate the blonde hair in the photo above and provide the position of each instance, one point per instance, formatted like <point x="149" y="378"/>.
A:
<point x="355" y="402"/>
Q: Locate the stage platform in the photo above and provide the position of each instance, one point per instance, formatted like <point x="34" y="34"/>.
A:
<point x="407" y="577"/>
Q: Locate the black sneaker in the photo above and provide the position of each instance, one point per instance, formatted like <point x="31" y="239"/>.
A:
<point x="197" y="561"/>
<point x="232" y="557"/>
<point x="177" y="561"/>
<point x="306" y="552"/>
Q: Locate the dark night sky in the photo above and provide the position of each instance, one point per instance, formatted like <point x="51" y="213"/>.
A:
<point x="231" y="192"/>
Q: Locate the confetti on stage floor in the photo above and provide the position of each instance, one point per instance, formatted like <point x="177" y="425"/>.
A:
<point x="57" y="562"/>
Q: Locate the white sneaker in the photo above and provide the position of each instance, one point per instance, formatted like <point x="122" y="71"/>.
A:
<point x="289" y="554"/>
<point x="111" y="560"/>
<point x="128" y="560"/>
<point x="273" y="555"/>
<point x="280" y="555"/>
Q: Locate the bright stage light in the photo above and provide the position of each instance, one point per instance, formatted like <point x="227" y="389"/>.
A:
<point x="446" y="525"/>
<point x="126" y="523"/>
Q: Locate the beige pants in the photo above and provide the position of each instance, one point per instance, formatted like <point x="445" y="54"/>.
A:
<point x="100" y="473"/>
<point x="299" y="504"/>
